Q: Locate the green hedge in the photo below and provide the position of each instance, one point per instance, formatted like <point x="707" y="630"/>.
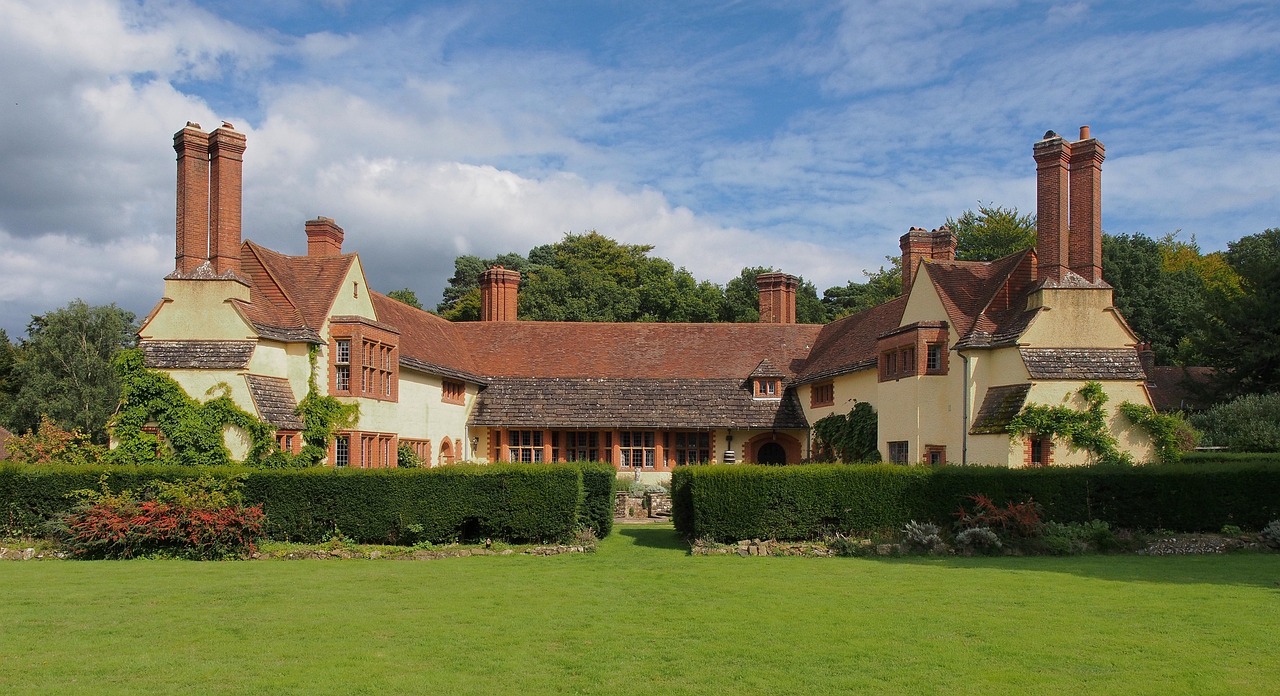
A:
<point x="597" y="501"/>
<point x="507" y="501"/>
<point x="727" y="503"/>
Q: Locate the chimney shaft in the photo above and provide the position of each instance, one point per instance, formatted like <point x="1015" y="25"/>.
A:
<point x="917" y="244"/>
<point x="192" y="146"/>
<point x="324" y="237"/>
<point x="1052" y="205"/>
<point x="777" y="298"/>
<point x="226" y="151"/>
<point x="1086" y="207"/>
<point x="499" y="292"/>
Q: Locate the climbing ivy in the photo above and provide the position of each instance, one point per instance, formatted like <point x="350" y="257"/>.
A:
<point x="1083" y="429"/>
<point x="322" y="417"/>
<point x="192" y="431"/>
<point x="1171" y="434"/>
<point x="851" y="438"/>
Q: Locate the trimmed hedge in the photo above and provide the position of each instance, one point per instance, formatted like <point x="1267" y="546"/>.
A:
<point x="728" y="503"/>
<point x="543" y="502"/>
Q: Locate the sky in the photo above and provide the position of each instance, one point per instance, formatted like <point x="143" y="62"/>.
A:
<point x="806" y="136"/>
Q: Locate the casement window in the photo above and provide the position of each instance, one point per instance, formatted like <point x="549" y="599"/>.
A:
<point x="693" y="448"/>
<point x="897" y="363"/>
<point x="376" y="373"/>
<point x="637" y="449"/>
<point x="768" y="388"/>
<point x="524" y="445"/>
<point x="822" y="395"/>
<point x="421" y="448"/>
<point x="935" y="362"/>
<point x="899" y="453"/>
<point x="582" y="446"/>
<point x="285" y="441"/>
<point x="1039" y="451"/>
<point x="453" y="392"/>
<point x="342" y="365"/>
<point x="341" y="451"/>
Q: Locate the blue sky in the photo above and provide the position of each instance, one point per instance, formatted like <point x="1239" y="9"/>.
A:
<point x="806" y="136"/>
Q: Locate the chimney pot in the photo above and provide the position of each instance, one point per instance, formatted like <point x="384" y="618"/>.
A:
<point x="1084" y="132"/>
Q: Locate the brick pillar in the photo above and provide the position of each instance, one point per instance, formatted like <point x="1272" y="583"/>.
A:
<point x="499" y="291"/>
<point x="916" y="244"/>
<point x="777" y="298"/>
<point x="192" y="146"/>
<point x="226" y="152"/>
<point x="1052" y="189"/>
<point x="324" y="237"/>
<point x="1086" y="206"/>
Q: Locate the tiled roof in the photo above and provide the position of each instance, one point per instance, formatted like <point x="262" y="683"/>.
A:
<point x="427" y="342"/>
<point x="849" y="344"/>
<point x="273" y="397"/>
<point x="1082" y="363"/>
<point x="290" y="296"/>
<point x="643" y="350"/>
<point x="766" y="369"/>
<point x="1173" y="388"/>
<point x="197" y="355"/>
<point x="623" y="403"/>
<point x="999" y="407"/>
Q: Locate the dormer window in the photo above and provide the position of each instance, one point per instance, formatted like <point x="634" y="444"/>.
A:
<point x="768" y="388"/>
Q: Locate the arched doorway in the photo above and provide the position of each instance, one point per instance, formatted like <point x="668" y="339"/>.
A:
<point x="446" y="451"/>
<point x="771" y="453"/>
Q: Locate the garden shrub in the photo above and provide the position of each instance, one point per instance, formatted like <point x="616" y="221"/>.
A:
<point x="1013" y="521"/>
<point x="1250" y="423"/>
<point x="510" y="502"/>
<point x="1065" y="539"/>
<point x="202" y="519"/>
<point x="921" y="536"/>
<point x="978" y="539"/>
<point x="51" y="444"/>
<point x="1271" y="534"/>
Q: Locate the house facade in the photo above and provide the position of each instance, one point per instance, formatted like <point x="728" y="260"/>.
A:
<point x="946" y="365"/>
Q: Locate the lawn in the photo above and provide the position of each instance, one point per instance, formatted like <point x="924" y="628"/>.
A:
<point x="641" y="616"/>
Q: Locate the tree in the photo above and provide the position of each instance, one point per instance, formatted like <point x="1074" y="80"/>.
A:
<point x="1242" y="331"/>
<point x="63" y="369"/>
<point x="742" y="299"/>
<point x="992" y="232"/>
<point x="881" y="286"/>
<point x="406" y="296"/>
<point x="1161" y="306"/>
<point x="7" y="358"/>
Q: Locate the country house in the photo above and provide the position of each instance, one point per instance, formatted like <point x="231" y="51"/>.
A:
<point x="946" y="365"/>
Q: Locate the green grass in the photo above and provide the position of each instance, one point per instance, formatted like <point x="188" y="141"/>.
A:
<point x="642" y="617"/>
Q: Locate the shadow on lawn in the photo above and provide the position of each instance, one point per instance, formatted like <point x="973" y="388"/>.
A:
<point x="1257" y="570"/>
<point x="654" y="537"/>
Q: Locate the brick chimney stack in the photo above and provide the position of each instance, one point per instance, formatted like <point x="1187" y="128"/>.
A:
<point x="1085" y="169"/>
<point x="324" y="237"/>
<point x="777" y="298"/>
<point x="1052" y="155"/>
<point x="192" y="146"/>
<point x="917" y="244"/>
<point x="499" y="290"/>
<point x="226" y="164"/>
<point x="1069" y="206"/>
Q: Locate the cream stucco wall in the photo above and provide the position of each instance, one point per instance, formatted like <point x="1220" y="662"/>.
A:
<point x="353" y="295"/>
<point x="1077" y="318"/>
<point x="199" y="310"/>
<point x="1064" y="393"/>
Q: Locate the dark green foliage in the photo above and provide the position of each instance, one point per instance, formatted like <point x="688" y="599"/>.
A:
<point x="1243" y="330"/>
<point x="1170" y="432"/>
<point x="1162" y="304"/>
<point x="192" y="430"/>
<point x="992" y="232"/>
<point x="406" y="296"/>
<point x="881" y="286"/>
<point x="1249" y="423"/>
<point x="63" y="369"/>
<point x="727" y="503"/>
<point x="510" y="502"/>
<point x="406" y="458"/>
<point x="849" y="438"/>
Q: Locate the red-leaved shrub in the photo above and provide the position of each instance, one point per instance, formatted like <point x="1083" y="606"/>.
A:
<point x="1018" y="520"/>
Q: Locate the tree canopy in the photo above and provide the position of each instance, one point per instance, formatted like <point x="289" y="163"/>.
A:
<point x="992" y="232"/>
<point x="63" y="369"/>
<point x="1242" y="329"/>
<point x="406" y="296"/>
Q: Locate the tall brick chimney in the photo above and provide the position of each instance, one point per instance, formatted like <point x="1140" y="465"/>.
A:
<point x="499" y="290"/>
<point x="324" y="237"/>
<point x="1069" y="206"/>
<point x="1085" y="169"/>
<point x="777" y="298"/>
<point x="226" y="164"/>
<point x="1052" y="155"/>
<point x="192" y="146"/>
<point x="917" y="244"/>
